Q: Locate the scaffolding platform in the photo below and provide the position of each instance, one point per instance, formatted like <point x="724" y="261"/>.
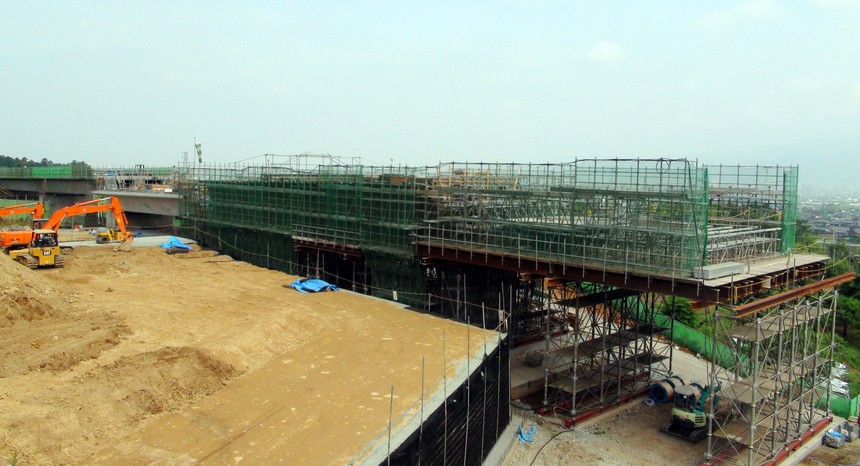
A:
<point x="606" y="342"/>
<point x="526" y="379"/>
<point x="762" y="269"/>
<point x="574" y="384"/>
<point x="774" y="325"/>
<point x="739" y="432"/>
<point x="784" y="357"/>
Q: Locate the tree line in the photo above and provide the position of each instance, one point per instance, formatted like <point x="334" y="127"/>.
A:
<point x="23" y="162"/>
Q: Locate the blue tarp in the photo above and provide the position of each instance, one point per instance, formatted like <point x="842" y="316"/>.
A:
<point x="306" y="285"/>
<point x="174" y="242"/>
<point x="526" y="436"/>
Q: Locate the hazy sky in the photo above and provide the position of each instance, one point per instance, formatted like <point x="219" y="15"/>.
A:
<point x="750" y="82"/>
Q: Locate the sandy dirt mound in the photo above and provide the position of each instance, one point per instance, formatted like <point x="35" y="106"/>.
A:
<point x="22" y="305"/>
<point x="58" y="346"/>
<point x="162" y="380"/>
<point x="113" y="340"/>
<point x="44" y="327"/>
<point x="24" y="294"/>
<point x="117" y="349"/>
<point x="92" y="408"/>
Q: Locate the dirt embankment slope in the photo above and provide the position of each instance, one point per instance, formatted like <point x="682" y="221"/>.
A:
<point x="101" y="357"/>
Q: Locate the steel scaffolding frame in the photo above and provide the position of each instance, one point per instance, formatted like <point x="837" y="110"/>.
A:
<point x="779" y="385"/>
<point x="653" y="216"/>
<point x="642" y="215"/>
<point x="607" y="350"/>
<point x="470" y="294"/>
<point x="531" y="317"/>
<point x="753" y="212"/>
<point x="512" y="229"/>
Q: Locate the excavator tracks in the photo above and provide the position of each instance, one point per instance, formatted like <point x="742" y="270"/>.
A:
<point x="59" y="260"/>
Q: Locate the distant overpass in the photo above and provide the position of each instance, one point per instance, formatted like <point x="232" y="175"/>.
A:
<point x="55" y="185"/>
<point x="152" y="209"/>
<point x="146" y="194"/>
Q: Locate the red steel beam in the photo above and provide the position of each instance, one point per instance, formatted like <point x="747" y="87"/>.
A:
<point x="799" y="292"/>
<point x="578" y="272"/>
<point x="539" y="267"/>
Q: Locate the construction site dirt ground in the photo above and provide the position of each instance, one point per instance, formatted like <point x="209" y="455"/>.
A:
<point x="627" y="435"/>
<point x="827" y="456"/>
<point x="145" y="357"/>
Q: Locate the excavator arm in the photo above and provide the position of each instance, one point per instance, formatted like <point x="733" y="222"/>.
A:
<point x="82" y="208"/>
<point x="34" y="208"/>
<point x="119" y="215"/>
<point x="105" y="204"/>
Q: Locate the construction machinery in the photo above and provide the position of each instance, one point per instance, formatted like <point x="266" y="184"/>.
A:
<point x="111" y="234"/>
<point x="105" y="204"/>
<point x="689" y="417"/>
<point x="36" y="209"/>
<point x="43" y="250"/>
<point x="17" y="239"/>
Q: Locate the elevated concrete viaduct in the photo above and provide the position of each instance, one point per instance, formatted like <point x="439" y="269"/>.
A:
<point x="143" y="209"/>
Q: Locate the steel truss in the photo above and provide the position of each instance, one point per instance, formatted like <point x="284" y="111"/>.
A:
<point x="778" y="387"/>
<point x="532" y="316"/>
<point x="607" y="349"/>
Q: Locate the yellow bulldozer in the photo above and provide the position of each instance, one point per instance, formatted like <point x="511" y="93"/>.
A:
<point x="43" y="251"/>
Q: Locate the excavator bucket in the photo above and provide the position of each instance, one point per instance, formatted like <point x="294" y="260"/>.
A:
<point x="125" y="246"/>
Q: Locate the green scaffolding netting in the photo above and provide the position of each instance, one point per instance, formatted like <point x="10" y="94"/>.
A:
<point x="69" y="171"/>
<point x="692" y="339"/>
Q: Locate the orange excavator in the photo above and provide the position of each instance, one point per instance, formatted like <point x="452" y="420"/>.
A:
<point x="12" y="239"/>
<point x="43" y="248"/>
<point x="105" y="204"/>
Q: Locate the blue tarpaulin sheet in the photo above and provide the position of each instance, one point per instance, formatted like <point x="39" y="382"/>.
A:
<point x="526" y="436"/>
<point x="307" y="285"/>
<point x="174" y="242"/>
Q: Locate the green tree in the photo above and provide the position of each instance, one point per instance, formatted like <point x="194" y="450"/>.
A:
<point x="842" y="260"/>
<point x="848" y="309"/>
<point x="15" y="162"/>
<point x="681" y="309"/>
<point x="805" y="236"/>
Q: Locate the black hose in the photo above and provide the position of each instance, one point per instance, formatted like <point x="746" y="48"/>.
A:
<point x="547" y="443"/>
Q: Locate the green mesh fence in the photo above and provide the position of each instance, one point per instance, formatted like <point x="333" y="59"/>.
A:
<point x="75" y="171"/>
<point x="11" y="202"/>
<point x="752" y="212"/>
<point x="692" y="339"/>
<point x="840" y="405"/>
<point x="397" y="278"/>
<point x="120" y="170"/>
<point x="704" y="345"/>
<point x="373" y="211"/>
<point x="789" y="210"/>
<point x="701" y="211"/>
<point x="646" y="216"/>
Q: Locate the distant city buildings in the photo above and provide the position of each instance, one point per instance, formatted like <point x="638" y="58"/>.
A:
<point x="832" y="211"/>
